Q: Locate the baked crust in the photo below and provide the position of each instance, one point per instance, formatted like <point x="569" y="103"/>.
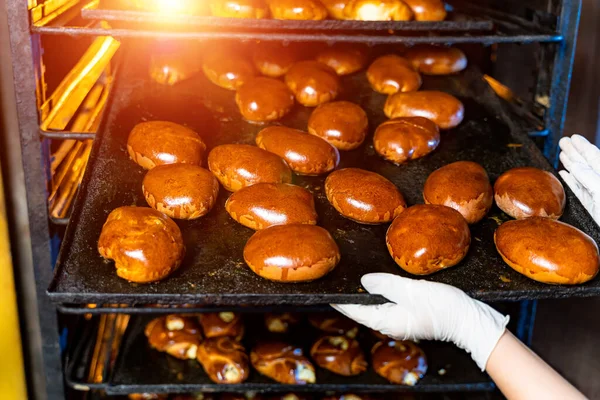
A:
<point x="403" y="139"/>
<point x="264" y="99"/>
<point x="176" y="335"/>
<point x="333" y="323"/>
<point x="378" y="10"/>
<point x="335" y="8"/>
<point x="401" y="362"/>
<point x="227" y="69"/>
<point x="436" y="60"/>
<point x="239" y="8"/>
<point x="274" y="60"/>
<point x="312" y="83"/>
<point x="391" y="74"/>
<point x="224" y="360"/>
<point x="339" y="354"/>
<point x="427" y="10"/>
<point x="297" y="9"/>
<point x="442" y="108"/>
<point x="344" y="59"/>
<point x="281" y="322"/>
<point x="283" y="363"/>
<point x="341" y="123"/>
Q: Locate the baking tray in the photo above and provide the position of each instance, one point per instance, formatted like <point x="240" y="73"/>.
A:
<point x="139" y="368"/>
<point x="213" y="271"/>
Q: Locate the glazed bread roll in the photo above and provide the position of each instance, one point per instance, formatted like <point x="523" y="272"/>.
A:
<point x="224" y="360"/>
<point x="181" y="191"/>
<point x="547" y="251"/>
<point x="145" y="244"/>
<point x="364" y="196"/>
<point x="344" y="59"/>
<point x="283" y="363"/>
<point x="273" y="59"/>
<point x="401" y="362"/>
<point x="312" y="83"/>
<point x="392" y="74"/>
<point x="149" y="396"/>
<point x="292" y="253"/>
<point x="530" y="192"/>
<point x="378" y="10"/>
<point x="297" y="9"/>
<point x="335" y="8"/>
<point x="239" y="8"/>
<point x="264" y="205"/>
<point x="462" y="185"/>
<point x="333" y="323"/>
<point x="264" y="99"/>
<point x="427" y="10"/>
<point x="227" y="69"/>
<point x="305" y="154"/>
<point x="442" y="108"/>
<point x="155" y="143"/>
<point x="403" y="139"/>
<point x="169" y="69"/>
<point x="281" y="323"/>
<point x="418" y="245"/>
<point x="341" y="123"/>
<point x="237" y="166"/>
<point x="176" y="335"/>
<point x="340" y="355"/>
<point x="436" y="60"/>
<point x="224" y="323"/>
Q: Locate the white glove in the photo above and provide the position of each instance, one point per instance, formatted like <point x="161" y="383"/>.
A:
<point x="429" y="310"/>
<point x="582" y="160"/>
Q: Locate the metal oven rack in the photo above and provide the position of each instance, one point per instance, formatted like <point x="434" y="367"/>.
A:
<point x="550" y="26"/>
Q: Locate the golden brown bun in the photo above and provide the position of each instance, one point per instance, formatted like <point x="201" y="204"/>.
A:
<point x="418" y="245"/>
<point x="378" y="10"/>
<point x="364" y="196"/>
<point x="155" y="143"/>
<point x="442" y="108"/>
<point x="176" y="335"/>
<point x="392" y="74"/>
<point x="340" y="355"/>
<point x="305" y="154"/>
<point x="227" y="69"/>
<point x="181" y="191"/>
<point x="169" y="69"/>
<point x="344" y="59"/>
<point x="334" y="323"/>
<point x="188" y="7"/>
<point x="267" y="204"/>
<point x="224" y="323"/>
<point x="427" y="10"/>
<point x="239" y="8"/>
<point x="341" y="123"/>
<point x="273" y="59"/>
<point x="312" y="83"/>
<point x="282" y="362"/>
<point x="462" y="185"/>
<point x="145" y="244"/>
<point x="292" y="253"/>
<point x="402" y="139"/>
<point x="436" y="60"/>
<point x="547" y="251"/>
<point x="149" y="396"/>
<point x="264" y="99"/>
<point x="297" y="9"/>
<point x="335" y="8"/>
<point x="401" y="362"/>
<point x="281" y="323"/>
<point x="529" y="192"/>
<point x="239" y="165"/>
<point x="224" y="360"/>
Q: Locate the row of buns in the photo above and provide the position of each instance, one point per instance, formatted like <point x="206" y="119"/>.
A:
<point x="253" y="396"/>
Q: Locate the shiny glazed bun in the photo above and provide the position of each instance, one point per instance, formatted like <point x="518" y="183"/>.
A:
<point x="292" y="253"/>
<point x="274" y="60"/>
<point x="264" y="99"/>
<point x="442" y="108"/>
<point x="530" y="192"/>
<point x="171" y="68"/>
<point x="364" y="196"/>
<point x="176" y="335"/>
<point x="462" y="185"/>
<point x="344" y="59"/>
<point x="427" y="10"/>
<point x="340" y="355"/>
<point x="224" y="360"/>
<point x="312" y="83"/>
<point x="145" y="244"/>
<point x="403" y="139"/>
<point x="239" y="8"/>
<point x="378" y="10"/>
<point x="305" y="154"/>
<point x="239" y="165"/>
<point x="335" y="8"/>
<point x="225" y="323"/>
<point x="436" y="60"/>
<point x="155" y="143"/>
<point x="283" y="363"/>
<point x="264" y="205"/>
<point x="227" y="69"/>
<point x="181" y="191"/>
<point x="392" y="74"/>
<point x="401" y="362"/>
<point x="341" y="123"/>
<point x="334" y="323"/>
<point x="428" y="238"/>
<point x="297" y="9"/>
<point x="547" y="251"/>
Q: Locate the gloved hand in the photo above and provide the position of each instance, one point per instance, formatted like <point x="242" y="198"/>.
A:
<point x="429" y="310"/>
<point x="582" y="161"/>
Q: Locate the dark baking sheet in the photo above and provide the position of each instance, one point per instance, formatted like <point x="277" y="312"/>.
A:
<point x="213" y="271"/>
<point x="139" y="368"/>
